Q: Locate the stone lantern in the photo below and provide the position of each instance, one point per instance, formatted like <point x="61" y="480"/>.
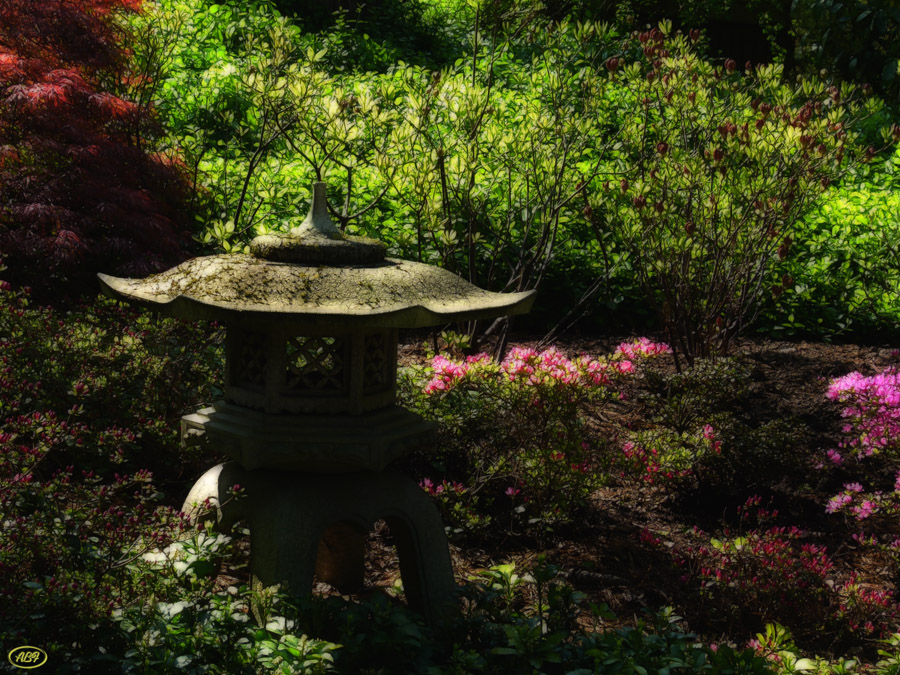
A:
<point x="309" y="414"/>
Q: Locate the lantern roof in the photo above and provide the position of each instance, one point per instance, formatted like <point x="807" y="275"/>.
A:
<point x="316" y="276"/>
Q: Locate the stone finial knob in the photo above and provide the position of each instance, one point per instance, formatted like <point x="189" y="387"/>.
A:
<point x="316" y="241"/>
<point x="318" y="220"/>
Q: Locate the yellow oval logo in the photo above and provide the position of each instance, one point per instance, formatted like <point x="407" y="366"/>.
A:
<point x="27" y="656"/>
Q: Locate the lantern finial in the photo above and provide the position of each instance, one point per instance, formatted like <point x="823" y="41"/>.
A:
<point x="318" y="220"/>
<point x="316" y="241"/>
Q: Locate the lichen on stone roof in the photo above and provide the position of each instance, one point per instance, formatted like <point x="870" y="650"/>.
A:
<point x="394" y="292"/>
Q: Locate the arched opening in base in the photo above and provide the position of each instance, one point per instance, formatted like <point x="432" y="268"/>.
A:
<point x="352" y="561"/>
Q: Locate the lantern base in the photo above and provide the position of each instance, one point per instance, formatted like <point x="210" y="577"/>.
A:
<point x="309" y="443"/>
<point x="293" y="519"/>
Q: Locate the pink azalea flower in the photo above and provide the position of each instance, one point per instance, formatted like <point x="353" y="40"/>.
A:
<point x="864" y="510"/>
<point x="835" y="457"/>
<point x="838" y="502"/>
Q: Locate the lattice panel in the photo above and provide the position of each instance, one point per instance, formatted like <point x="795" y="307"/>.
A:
<point x="315" y="363"/>
<point x="375" y="361"/>
<point x="251" y="368"/>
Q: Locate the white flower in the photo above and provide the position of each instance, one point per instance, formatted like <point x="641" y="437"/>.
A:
<point x="154" y="556"/>
<point x="170" y="609"/>
<point x="279" y="625"/>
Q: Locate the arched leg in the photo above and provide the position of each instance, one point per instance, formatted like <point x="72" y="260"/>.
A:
<point x="290" y="514"/>
<point x="214" y="485"/>
<point x="422" y="548"/>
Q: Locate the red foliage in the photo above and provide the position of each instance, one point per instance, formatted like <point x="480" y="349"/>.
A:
<point x="77" y="193"/>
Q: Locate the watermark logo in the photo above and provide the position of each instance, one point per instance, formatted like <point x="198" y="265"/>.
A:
<point x="27" y="657"/>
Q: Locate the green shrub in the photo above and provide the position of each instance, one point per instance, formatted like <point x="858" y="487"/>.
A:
<point x="698" y="438"/>
<point x="715" y="168"/>
<point x="507" y="166"/>
<point x="843" y="268"/>
<point x="181" y="624"/>
<point x="475" y="166"/>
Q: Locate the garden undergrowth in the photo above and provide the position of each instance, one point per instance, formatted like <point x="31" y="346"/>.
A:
<point x="120" y="580"/>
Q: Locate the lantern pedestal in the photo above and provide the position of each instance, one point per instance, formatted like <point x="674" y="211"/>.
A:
<point x="304" y="524"/>
<point x="315" y="443"/>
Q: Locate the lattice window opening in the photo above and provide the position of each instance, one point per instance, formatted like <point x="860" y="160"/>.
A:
<point x="252" y="361"/>
<point x="375" y="362"/>
<point x="316" y="363"/>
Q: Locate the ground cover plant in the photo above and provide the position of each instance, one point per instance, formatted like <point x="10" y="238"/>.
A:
<point x="100" y="567"/>
<point x="624" y="505"/>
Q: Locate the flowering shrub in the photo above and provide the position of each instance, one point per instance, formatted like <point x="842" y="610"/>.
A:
<point x="460" y="506"/>
<point x="681" y="406"/>
<point x="776" y="573"/>
<point x="861" y="505"/>
<point x="873" y="412"/>
<point x="697" y="422"/>
<point x="87" y="405"/>
<point x="771" y="573"/>
<point x="666" y="457"/>
<point x="64" y="542"/>
<point x="867" y="612"/>
<point x="869" y="450"/>
<point x="872" y="429"/>
<point x="513" y="433"/>
<point x="105" y="388"/>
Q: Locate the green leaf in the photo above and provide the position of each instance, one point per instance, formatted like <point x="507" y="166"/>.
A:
<point x="505" y="651"/>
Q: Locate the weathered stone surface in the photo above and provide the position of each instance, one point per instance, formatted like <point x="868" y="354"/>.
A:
<point x="316" y="241"/>
<point x="394" y="293"/>
<point x="315" y="276"/>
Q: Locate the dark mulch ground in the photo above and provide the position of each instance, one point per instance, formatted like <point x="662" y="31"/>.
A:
<point x="603" y="555"/>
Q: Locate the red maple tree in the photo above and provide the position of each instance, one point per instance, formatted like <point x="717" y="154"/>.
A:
<point x="78" y="194"/>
